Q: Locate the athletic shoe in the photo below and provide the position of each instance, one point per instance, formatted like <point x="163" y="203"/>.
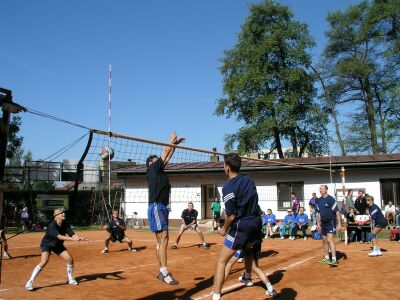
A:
<point x="174" y="247"/>
<point x="282" y="237"/>
<point x="291" y="238"/>
<point x="133" y="249"/>
<point x="375" y="253"/>
<point x="104" y="251"/>
<point x="29" y="286"/>
<point x="6" y="255"/>
<point x="167" y="279"/>
<point x="305" y="238"/>
<point x="240" y="260"/>
<point x="333" y="263"/>
<point x="205" y="246"/>
<point x="73" y="281"/>
<point x="271" y="294"/>
<point x="245" y="281"/>
<point x="324" y="261"/>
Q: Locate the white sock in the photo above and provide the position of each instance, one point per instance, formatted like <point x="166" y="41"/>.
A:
<point x="70" y="270"/>
<point x="164" y="271"/>
<point x="327" y="256"/>
<point x="334" y="258"/>
<point x="216" y="296"/>
<point x="270" y="288"/>
<point x="35" y="273"/>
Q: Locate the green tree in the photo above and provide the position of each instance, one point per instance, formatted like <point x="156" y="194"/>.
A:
<point x="268" y="86"/>
<point x="14" y="146"/>
<point x="363" y="73"/>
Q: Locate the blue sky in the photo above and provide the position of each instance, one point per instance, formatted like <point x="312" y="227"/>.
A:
<point x="54" y="56"/>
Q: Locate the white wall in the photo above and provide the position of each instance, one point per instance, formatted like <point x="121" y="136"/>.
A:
<point x="188" y="188"/>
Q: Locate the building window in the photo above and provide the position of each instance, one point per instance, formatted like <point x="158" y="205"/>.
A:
<point x="284" y="190"/>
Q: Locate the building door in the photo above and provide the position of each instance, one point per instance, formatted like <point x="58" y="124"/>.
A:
<point x="390" y="191"/>
<point x="209" y="192"/>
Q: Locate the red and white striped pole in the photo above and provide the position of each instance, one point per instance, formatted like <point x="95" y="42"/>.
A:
<point x="109" y="135"/>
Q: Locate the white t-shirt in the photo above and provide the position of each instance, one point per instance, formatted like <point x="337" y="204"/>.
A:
<point x="391" y="209"/>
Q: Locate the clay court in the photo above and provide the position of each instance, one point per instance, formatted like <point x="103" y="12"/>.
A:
<point x="292" y="267"/>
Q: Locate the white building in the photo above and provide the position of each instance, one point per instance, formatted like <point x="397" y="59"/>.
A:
<point x="377" y="175"/>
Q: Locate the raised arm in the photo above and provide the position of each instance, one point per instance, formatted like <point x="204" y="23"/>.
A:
<point x="169" y="151"/>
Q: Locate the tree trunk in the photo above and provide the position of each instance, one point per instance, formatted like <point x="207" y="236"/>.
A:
<point x="337" y="130"/>
<point x="278" y="142"/>
<point x="369" y="108"/>
<point x="293" y="141"/>
<point x="381" y="120"/>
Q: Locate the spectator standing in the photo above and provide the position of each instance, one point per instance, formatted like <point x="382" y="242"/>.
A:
<point x="24" y="218"/>
<point x="349" y="203"/>
<point x="295" y="203"/>
<point x="313" y="212"/>
<point x="216" y="209"/>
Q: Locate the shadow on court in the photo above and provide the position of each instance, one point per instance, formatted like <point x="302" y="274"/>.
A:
<point x="268" y="253"/>
<point x="23" y="256"/>
<point x="141" y="248"/>
<point x="195" y="245"/>
<point x="341" y="255"/>
<point x="167" y="295"/>
<point x="109" y="276"/>
<point x="287" y="294"/>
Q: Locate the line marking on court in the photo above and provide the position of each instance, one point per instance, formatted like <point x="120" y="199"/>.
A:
<point x="236" y="285"/>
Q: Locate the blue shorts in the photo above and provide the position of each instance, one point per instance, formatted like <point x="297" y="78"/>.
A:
<point x="158" y="217"/>
<point x="328" y="227"/>
<point x="243" y="231"/>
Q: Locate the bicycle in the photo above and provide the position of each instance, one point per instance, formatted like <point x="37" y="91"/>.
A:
<point x="134" y="221"/>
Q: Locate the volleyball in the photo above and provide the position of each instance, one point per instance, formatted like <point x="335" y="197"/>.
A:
<point x="106" y="153"/>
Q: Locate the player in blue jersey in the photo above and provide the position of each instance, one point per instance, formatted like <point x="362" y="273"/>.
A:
<point x="159" y="192"/>
<point x="269" y="221"/>
<point x="329" y="222"/>
<point x="378" y="222"/>
<point x="243" y="218"/>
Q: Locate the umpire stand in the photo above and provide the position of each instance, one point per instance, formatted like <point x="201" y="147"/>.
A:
<point x="8" y="107"/>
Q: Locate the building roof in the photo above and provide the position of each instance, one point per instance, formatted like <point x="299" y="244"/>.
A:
<point x="302" y="163"/>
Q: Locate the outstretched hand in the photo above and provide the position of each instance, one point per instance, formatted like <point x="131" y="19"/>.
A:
<point x="179" y="140"/>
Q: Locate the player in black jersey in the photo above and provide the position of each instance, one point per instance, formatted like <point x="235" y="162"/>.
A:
<point x="117" y="228"/>
<point x="54" y="241"/>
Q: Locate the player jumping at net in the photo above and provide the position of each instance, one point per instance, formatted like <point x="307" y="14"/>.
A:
<point x="116" y="227"/>
<point x="54" y="241"/>
<point x="329" y="222"/>
<point x="243" y="222"/>
<point x="159" y="192"/>
<point x="379" y="222"/>
<point x="189" y="220"/>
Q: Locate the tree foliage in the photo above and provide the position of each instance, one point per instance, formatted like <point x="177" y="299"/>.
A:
<point x="268" y="86"/>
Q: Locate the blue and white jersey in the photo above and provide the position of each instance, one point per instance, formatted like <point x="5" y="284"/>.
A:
<point x="241" y="198"/>
<point x="289" y="219"/>
<point x="269" y="219"/>
<point x="327" y="208"/>
<point x="302" y="219"/>
<point x="376" y="214"/>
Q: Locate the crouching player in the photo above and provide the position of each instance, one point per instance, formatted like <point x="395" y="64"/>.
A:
<point x="54" y="241"/>
<point x="117" y="228"/>
<point x="252" y="254"/>
<point x="378" y="221"/>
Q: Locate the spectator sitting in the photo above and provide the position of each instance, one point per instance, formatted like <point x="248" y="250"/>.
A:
<point x="313" y="212"/>
<point x="288" y="223"/>
<point x="301" y="223"/>
<point x="269" y="221"/>
<point x="390" y="213"/>
<point x="352" y="229"/>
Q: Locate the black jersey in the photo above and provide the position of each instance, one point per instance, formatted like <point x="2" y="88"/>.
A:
<point x="189" y="216"/>
<point x="117" y="231"/>
<point x="53" y="230"/>
<point x="157" y="180"/>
